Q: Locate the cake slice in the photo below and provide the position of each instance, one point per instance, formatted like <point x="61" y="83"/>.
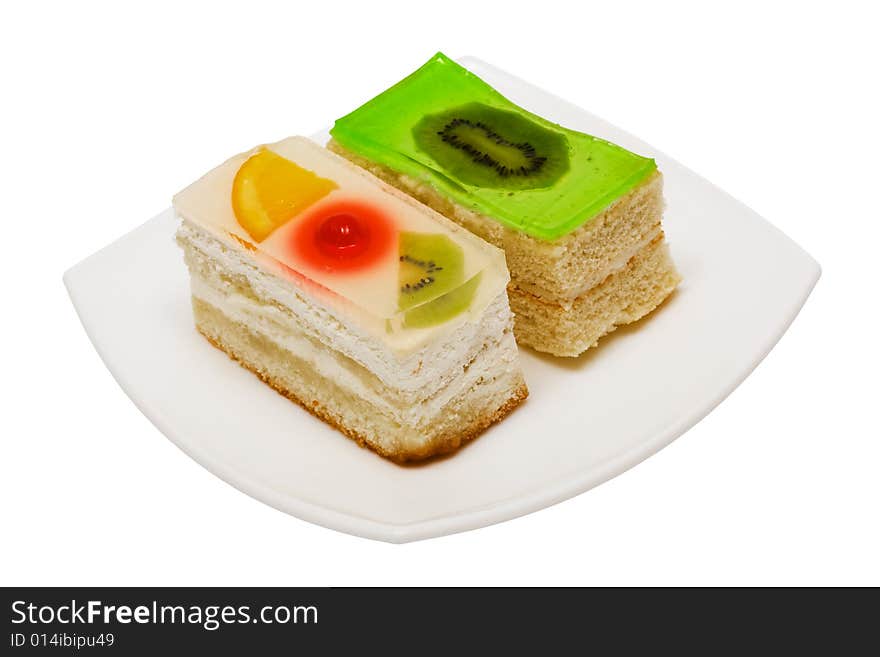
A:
<point x="370" y="310"/>
<point x="579" y="218"/>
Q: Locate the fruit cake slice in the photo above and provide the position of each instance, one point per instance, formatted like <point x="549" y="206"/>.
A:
<point x="579" y="218"/>
<point x="369" y="309"/>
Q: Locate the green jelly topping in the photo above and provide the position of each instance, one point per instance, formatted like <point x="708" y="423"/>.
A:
<point x="444" y="126"/>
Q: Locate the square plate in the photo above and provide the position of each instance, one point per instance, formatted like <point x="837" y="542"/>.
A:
<point x="744" y="282"/>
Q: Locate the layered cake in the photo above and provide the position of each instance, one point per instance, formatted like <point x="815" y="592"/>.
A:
<point x="370" y="310"/>
<point x="578" y="218"/>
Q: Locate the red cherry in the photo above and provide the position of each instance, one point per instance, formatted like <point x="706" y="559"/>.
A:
<point x="342" y="236"/>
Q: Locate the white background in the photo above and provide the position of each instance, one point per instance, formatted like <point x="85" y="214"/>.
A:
<point x="109" y="109"/>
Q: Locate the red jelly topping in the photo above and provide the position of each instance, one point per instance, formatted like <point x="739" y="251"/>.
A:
<point x="343" y="236"/>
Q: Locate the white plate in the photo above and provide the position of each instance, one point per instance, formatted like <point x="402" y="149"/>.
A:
<point x="586" y="420"/>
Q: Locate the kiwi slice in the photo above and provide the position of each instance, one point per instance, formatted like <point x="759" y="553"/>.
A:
<point x="443" y="308"/>
<point x="485" y="146"/>
<point x="431" y="265"/>
<point x="430" y="276"/>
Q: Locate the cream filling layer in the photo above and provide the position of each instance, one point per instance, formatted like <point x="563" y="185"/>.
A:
<point x="496" y="359"/>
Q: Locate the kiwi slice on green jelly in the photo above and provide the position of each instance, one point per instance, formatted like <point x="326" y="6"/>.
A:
<point x="443" y="308"/>
<point x="485" y="146"/>
<point x="431" y="265"/>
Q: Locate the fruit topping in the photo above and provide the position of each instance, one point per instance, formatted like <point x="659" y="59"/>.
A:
<point x="269" y="190"/>
<point x="443" y="308"/>
<point x="430" y="265"/>
<point x="488" y="147"/>
<point x="343" y="236"/>
<point x="431" y="278"/>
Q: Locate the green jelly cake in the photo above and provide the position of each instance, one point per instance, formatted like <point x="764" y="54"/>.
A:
<point x="579" y="218"/>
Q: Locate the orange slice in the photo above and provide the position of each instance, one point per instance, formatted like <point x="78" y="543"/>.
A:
<point x="269" y="190"/>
